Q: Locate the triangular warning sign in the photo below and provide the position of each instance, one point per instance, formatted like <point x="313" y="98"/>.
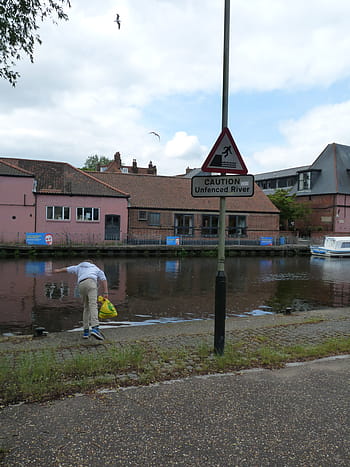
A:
<point x="225" y="156"/>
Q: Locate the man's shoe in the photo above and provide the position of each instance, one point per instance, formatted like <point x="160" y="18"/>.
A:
<point x="97" y="333"/>
<point x="86" y="334"/>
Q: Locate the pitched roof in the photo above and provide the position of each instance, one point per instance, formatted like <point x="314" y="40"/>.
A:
<point x="9" y="169"/>
<point x="280" y="173"/>
<point x="149" y="192"/>
<point x="63" y="178"/>
<point x="332" y="170"/>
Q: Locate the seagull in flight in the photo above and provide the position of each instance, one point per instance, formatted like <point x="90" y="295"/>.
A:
<point x="117" y="20"/>
<point x="154" y="133"/>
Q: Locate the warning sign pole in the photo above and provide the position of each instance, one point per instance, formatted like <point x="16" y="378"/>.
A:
<point x="220" y="283"/>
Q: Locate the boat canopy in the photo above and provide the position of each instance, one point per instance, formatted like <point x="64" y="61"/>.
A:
<point x="337" y="242"/>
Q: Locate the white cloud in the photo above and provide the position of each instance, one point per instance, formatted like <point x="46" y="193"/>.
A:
<point x="93" y="87"/>
<point x="183" y="145"/>
<point x="279" y="45"/>
<point x="173" y="156"/>
<point x="306" y="138"/>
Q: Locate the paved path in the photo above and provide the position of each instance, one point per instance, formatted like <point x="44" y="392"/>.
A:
<point x="296" y="416"/>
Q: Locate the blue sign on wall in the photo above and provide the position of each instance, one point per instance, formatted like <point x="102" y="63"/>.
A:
<point x="266" y="241"/>
<point x="37" y="238"/>
<point x="173" y="240"/>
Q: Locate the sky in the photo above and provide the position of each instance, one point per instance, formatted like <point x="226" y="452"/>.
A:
<point x="95" y="89"/>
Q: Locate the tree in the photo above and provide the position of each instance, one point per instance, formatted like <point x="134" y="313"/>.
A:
<point x="290" y="209"/>
<point x="92" y="162"/>
<point x="19" y="25"/>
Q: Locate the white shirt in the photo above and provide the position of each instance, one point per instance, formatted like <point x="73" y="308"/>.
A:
<point x="87" y="270"/>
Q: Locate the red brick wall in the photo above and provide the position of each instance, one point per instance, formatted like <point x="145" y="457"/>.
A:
<point x="258" y="224"/>
<point x="322" y="211"/>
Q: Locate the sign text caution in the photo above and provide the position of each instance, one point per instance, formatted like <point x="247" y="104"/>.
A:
<point x="228" y="185"/>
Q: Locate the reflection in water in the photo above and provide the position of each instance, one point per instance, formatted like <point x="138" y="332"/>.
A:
<point x="149" y="290"/>
<point x="56" y="291"/>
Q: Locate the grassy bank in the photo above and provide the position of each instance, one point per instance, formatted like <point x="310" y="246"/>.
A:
<point x="43" y="375"/>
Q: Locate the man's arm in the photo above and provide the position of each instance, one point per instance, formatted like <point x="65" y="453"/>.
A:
<point x="105" y="287"/>
<point x="60" y="270"/>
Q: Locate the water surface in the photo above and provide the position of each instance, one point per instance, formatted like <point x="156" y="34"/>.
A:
<point x="153" y="290"/>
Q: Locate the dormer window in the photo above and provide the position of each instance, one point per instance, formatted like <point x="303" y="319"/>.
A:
<point x="304" y="181"/>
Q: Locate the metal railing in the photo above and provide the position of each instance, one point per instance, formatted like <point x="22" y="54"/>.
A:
<point x="75" y="239"/>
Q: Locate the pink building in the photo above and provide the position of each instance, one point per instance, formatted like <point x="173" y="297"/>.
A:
<point x="57" y="198"/>
<point x="17" y="203"/>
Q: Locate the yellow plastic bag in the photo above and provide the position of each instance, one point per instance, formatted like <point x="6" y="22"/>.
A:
<point x="107" y="309"/>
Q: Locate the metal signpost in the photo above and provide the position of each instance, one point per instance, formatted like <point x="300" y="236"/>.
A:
<point x="223" y="158"/>
<point x="220" y="283"/>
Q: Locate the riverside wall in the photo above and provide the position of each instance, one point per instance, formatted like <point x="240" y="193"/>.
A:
<point x="151" y="250"/>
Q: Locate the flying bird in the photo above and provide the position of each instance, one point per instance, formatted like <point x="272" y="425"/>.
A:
<point x="117" y="20"/>
<point x="154" y="133"/>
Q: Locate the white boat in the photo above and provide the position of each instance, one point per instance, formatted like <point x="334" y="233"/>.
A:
<point x="332" y="246"/>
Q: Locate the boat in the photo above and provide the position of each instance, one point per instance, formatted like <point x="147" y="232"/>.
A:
<point x="332" y="246"/>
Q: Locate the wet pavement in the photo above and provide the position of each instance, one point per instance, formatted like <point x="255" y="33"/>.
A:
<point x="295" y="416"/>
<point x="311" y="327"/>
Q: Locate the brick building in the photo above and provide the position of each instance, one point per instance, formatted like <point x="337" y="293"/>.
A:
<point x="117" y="166"/>
<point x="163" y="206"/>
<point x="324" y="186"/>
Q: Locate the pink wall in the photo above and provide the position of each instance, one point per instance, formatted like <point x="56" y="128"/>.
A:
<point x="16" y="190"/>
<point x="17" y="210"/>
<point x="80" y="231"/>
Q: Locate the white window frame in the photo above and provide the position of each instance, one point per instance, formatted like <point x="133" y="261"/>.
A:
<point x="85" y="217"/>
<point x="58" y="213"/>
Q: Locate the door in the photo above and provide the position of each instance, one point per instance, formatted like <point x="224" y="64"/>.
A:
<point x="112" y="227"/>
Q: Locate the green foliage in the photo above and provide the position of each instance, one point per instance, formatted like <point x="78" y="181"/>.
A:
<point x="19" y="23"/>
<point x="290" y="209"/>
<point x="92" y="162"/>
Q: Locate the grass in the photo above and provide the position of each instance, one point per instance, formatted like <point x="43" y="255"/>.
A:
<point x="44" y="375"/>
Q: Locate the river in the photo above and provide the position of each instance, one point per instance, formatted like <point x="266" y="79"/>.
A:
<point x="156" y="290"/>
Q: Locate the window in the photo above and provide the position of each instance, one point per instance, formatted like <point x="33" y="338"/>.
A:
<point x="304" y="182"/>
<point x="210" y="225"/>
<point x="183" y="224"/>
<point x="153" y="218"/>
<point x="88" y="214"/>
<point x="237" y="226"/>
<point x="57" y="213"/>
<point x="142" y="215"/>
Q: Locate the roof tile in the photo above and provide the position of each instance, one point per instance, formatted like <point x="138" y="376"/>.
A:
<point x="63" y="178"/>
<point x="174" y="193"/>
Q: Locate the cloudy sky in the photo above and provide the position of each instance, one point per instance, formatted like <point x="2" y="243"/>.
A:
<point x="97" y="89"/>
